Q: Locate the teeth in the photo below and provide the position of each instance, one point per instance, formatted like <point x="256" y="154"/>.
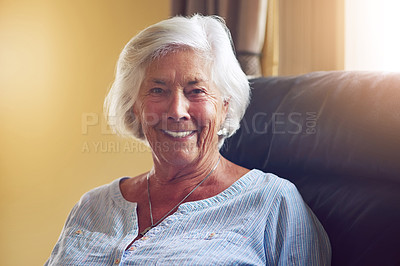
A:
<point x="180" y="134"/>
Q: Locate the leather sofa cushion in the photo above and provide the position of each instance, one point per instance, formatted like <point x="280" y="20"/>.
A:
<point x="336" y="136"/>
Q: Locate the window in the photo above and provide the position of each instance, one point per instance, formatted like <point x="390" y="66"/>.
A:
<point x="372" y="38"/>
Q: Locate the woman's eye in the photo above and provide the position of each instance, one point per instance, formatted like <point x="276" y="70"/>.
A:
<point x="196" y="91"/>
<point x="196" y="94"/>
<point x="156" y="91"/>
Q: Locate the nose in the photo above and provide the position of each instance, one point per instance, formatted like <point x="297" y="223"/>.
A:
<point x="178" y="107"/>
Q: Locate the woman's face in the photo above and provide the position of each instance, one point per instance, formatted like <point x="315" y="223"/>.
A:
<point x="180" y="109"/>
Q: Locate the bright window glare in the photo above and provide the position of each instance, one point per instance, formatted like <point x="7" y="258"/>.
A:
<point x="372" y="35"/>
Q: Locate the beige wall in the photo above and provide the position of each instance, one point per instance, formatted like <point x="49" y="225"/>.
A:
<point x="311" y="36"/>
<point x="57" y="61"/>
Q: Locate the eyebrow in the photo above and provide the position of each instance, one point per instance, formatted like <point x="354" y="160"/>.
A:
<point x="158" y="81"/>
<point x="195" y="81"/>
<point x="190" y="82"/>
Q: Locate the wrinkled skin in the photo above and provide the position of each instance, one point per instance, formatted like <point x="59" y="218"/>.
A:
<point x="181" y="111"/>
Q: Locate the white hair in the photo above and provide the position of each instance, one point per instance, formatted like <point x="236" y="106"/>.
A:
<point x="206" y="35"/>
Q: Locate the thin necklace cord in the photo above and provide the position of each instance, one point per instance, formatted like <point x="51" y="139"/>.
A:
<point x="177" y="205"/>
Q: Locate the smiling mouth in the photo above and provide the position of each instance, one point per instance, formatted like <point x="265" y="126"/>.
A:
<point x="178" y="134"/>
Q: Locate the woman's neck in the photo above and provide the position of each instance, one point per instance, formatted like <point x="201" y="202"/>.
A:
<point x="173" y="187"/>
<point x="164" y="173"/>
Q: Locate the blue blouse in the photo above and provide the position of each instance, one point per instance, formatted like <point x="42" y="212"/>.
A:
<point x="260" y="220"/>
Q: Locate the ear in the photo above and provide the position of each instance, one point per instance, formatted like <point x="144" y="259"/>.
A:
<point x="135" y="110"/>
<point x="225" y="108"/>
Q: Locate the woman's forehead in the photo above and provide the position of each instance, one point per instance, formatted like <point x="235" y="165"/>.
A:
<point x="183" y="66"/>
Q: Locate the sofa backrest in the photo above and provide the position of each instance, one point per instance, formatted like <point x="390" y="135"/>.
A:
<point x="336" y="136"/>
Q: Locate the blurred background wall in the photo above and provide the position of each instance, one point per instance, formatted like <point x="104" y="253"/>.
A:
<point x="57" y="61"/>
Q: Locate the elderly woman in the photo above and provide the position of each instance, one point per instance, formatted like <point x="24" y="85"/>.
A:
<point x="179" y="88"/>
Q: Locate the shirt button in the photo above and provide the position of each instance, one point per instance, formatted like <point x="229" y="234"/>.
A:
<point x="145" y="237"/>
<point x="210" y="236"/>
<point x="132" y="248"/>
<point x="78" y="232"/>
<point x="116" y="261"/>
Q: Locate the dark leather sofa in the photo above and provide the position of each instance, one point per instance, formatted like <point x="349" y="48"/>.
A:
<point x="336" y="136"/>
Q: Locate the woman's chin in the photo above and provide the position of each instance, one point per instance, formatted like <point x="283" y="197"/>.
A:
<point x="178" y="154"/>
<point x="179" y="159"/>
